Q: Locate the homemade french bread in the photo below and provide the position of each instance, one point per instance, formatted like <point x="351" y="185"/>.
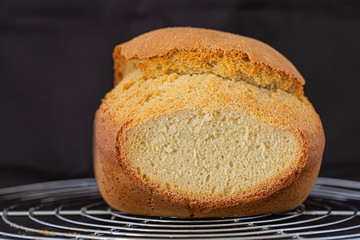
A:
<point x="203" y="123"/>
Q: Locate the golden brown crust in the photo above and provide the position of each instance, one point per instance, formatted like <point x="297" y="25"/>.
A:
<point x="197" y="46"/>
<point x="162" y="42"/>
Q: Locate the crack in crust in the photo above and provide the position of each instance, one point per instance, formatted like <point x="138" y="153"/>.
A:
<point x="193" y="50"/>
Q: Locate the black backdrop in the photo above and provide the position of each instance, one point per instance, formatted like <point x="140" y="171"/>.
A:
<point x="55" y="66"/>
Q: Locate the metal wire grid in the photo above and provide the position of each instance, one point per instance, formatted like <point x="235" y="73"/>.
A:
<point x="74" y="209"/>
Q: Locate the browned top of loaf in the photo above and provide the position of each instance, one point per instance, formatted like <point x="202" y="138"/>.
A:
<point x="163" y="42"/>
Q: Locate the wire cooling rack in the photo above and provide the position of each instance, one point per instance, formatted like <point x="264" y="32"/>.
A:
<point x="73" y="209"/>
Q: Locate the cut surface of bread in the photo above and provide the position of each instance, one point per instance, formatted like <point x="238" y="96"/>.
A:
<point x="207" y="124"/>
<point x="212" y="154"/>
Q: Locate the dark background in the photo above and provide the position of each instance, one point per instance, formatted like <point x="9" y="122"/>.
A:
<point x="56" y="65"/>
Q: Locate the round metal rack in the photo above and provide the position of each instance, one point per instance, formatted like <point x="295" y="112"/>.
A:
<point x="73" y="209"/>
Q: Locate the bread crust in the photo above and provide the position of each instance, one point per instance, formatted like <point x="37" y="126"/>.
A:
<point x="200" y="44"/>
<point x="124" y="190"/>
<point x="164" y="41"/>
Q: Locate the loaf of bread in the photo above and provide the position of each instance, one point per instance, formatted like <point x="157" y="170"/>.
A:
<point x="203" y="123"/>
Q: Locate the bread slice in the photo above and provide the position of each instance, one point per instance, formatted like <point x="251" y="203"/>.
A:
<point x="203" y="123"/>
